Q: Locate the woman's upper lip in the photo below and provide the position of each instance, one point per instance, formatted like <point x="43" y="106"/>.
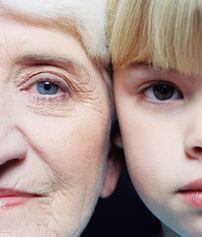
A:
<point x="195" y="185"/>
<point x="8" y="192"/>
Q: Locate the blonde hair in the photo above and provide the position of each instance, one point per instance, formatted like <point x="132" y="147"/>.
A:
<point x="166" y="34"/>
<point x="85" y="19"/>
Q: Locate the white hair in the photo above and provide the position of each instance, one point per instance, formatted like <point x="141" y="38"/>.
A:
<point x="87" y="16"/>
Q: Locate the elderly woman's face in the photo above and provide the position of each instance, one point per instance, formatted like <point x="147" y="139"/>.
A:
<point x="54" y="132"/>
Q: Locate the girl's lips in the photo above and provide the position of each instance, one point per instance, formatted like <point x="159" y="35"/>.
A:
<point x="11" y="197"/>
<point x="193" y="198"/>
<point x="193" y="186"/>
<point x="192" y="193"/>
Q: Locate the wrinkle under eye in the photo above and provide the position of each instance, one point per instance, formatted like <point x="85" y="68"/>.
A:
<point x="47" y="88"/>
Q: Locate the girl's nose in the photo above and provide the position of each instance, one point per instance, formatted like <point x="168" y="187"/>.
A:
<point x="193" y="138"/>
<point x="194" y="152"/>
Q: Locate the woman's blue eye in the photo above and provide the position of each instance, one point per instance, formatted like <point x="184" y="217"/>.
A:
<point x="47" y="88"/>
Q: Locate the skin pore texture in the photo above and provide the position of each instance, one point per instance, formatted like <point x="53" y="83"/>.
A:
<point x="55" y="121"/>
<point x="160" y="118"/>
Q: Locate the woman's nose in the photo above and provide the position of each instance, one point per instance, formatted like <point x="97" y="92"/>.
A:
<point x="12" y="142"/>
<point x="12" y="147"/>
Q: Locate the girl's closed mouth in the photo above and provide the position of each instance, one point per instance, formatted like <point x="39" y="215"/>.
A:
<point x="192" y="193"/>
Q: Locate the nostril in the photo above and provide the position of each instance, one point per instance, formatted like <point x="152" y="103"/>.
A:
<point x="13" y="147"/>
<point x="9" y="165"/>
<point x="197" y="150"/>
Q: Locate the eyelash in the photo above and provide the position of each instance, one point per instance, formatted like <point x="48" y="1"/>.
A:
<point x="149" y="88"/>
<point x="53" y="78"/>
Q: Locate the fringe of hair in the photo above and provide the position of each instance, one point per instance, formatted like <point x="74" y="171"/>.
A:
<point x="166" y="34"/>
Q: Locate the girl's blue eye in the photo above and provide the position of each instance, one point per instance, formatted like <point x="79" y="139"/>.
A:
<point x="47" y="88"/>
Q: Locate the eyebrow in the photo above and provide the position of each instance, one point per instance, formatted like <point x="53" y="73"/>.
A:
<point x="68" y="64"/>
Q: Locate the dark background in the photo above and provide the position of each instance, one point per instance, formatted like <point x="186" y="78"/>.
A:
<point x="122" y="214"/>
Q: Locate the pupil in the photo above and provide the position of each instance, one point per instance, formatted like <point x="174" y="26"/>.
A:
<point x="47" y="88"/>
<point x="163" y="92"/>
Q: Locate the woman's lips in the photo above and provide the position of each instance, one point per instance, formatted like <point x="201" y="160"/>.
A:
<point x="10" y="198"/>
<point x="192" y="193"/>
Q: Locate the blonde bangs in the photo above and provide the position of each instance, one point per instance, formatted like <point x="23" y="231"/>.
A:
<point x="124" y="31"/>
<point x="166" y="34"/>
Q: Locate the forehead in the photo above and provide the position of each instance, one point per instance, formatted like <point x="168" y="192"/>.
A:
<point x="48" y="41"/>
<point x="24" y="43"/>
<point x="84" y="19"/>
<point x="12" y="29"/>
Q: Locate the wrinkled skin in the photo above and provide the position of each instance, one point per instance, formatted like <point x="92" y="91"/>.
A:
<point x="54" y="132"/>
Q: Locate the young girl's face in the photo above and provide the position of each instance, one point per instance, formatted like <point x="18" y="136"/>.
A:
<point x="160" y="116"/>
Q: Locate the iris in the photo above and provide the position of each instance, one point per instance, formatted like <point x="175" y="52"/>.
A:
<point x="163" y="92"/>
<point x="47" y="88"/>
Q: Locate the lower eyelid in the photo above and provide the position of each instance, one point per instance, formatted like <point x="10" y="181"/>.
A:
<point x="37" y="100"/>
<point x="58" y="97"/>
<point x="157" y="106"/>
